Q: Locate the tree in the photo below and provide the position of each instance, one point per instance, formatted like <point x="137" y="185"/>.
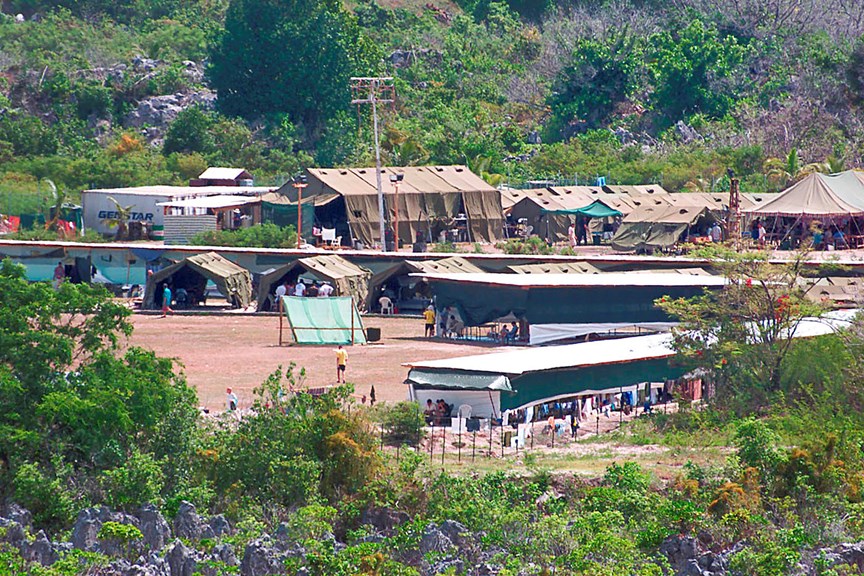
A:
<point x="190" y="132"/>
<point x="695" y="71"/>
<point x="739" y="334"/>
<point x="294" y="57"/>
<point x="73" y="408"/>
<point x="602" y="74"/>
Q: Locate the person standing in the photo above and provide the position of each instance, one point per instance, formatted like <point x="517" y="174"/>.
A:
<point x="166" y="301"/>
<point x="231" y="399"/>
<point x="300" y="289"/>
<point x="571" y="235"/>
<point x="429" y="317"/>
<point x="341" y="364"/>
<point x="281" y="291"/>
<point x="59" y="275"/>
<point x="325" y="291"/>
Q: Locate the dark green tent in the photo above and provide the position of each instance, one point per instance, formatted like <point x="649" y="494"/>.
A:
<point x="596" y="209"/>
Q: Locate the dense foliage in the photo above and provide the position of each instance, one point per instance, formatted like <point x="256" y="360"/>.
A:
<point x="673" y="92"/>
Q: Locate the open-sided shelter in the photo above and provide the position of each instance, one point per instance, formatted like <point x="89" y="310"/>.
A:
<point x="491" y="383"/>
<point x="649" y="229"/>
<point x="430" y="199"/>
<point x="818" y="196"/>
<point x="192" y="274"/>
<point x="347" y="278"/>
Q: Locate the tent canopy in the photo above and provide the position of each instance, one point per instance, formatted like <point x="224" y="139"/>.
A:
<point x="192" y="274"/>
<point x="816" y="195"/>
<point x="324" y="320"/>
<point x="347" y="278"/>
<point x="596" y="209"/>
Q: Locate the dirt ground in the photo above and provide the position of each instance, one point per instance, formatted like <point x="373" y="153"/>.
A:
<point x="240" y="351"/>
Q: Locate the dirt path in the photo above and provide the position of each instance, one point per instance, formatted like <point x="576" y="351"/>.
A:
<point x="240" y="351"/>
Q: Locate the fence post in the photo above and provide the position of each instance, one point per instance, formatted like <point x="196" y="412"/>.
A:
<point x="431" y="441"/>
<point x="532" y="434"/>
<point x="490" y="437"/>
<point x="459" y="443"/>
<point x="598" y="425"/>
<point x="474" y="446"/>
<point x="443" y="443"/>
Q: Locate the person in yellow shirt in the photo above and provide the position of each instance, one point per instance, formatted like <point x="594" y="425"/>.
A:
<point x="341" y="364"/>
<point x="429" y="316"/>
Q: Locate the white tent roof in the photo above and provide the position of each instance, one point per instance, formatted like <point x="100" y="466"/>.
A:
<point x="604" y="351"/>
<point x="217" y="173"/>
<point x="574" y="280"/>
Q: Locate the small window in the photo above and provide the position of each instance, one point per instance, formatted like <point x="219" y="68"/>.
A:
<point x="357" y="213"/>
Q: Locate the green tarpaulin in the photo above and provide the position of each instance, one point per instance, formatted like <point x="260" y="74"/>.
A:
<point x="324" y="320"/>
<point x="596" y="209"/>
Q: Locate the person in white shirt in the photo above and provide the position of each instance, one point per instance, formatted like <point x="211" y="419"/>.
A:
<point x="281" y="291"/>
<point x="716" y="233"/>
<point x="325" y="291"/>
<point x="300" y="289"/>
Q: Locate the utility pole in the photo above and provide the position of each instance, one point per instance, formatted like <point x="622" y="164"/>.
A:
<point x="733" y="228"/>
<point x="375" y="90"/>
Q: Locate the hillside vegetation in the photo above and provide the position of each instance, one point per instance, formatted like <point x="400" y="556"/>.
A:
<point x="99" y="93"/>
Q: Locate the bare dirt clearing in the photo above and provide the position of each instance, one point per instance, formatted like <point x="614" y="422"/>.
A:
<point x="240" y="351"/>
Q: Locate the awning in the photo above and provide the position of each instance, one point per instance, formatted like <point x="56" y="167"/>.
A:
<point x="451" y="380"/>
<point x="211" y="202"/>
<point x="596" y="209"/>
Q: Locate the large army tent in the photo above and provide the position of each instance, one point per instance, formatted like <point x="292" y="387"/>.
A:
<point x="431" y="199"/>
<point x="817" y="195"/>
<point x="347" y="278"/>
<point x="653" y="229"/>
<point x="192" y="274"/>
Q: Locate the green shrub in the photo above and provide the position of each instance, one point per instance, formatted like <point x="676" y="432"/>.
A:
<point x="402" y="421"/>
<point x="47" y="498"/>
<point x="259" y="236"/>
<point x="138" y="481"/>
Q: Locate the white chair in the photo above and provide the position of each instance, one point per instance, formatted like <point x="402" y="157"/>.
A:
<point x="386" y="305"/>
<point x="328" y="235"/>
<point x="465" y="411"/>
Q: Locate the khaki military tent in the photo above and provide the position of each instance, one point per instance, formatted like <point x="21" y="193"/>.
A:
<point x="346" y="278"/>
<point x="657" y="229"/>
<point x="192" y="274"/>
<point x="430" y="199"/>
<point x="451" y="265"/>
<point x="556" y="268"/>
<point x="817" y="195"/>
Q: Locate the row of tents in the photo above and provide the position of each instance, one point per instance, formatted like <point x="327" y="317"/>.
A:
<point x="241" y="288"/>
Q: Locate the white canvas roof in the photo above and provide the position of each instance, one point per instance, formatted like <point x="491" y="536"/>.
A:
<point x="603" y="352"/>
<point x="568" y="280"/>
<point x="217" y="173"/>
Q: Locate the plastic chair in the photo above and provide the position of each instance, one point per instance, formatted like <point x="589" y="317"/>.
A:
<point x="465" y="411"/>
<point x="386" y="305"/>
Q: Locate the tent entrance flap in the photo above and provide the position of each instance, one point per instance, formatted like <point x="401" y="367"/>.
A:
<point x="324" y="320"/>
<point x="454" y="380"/>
